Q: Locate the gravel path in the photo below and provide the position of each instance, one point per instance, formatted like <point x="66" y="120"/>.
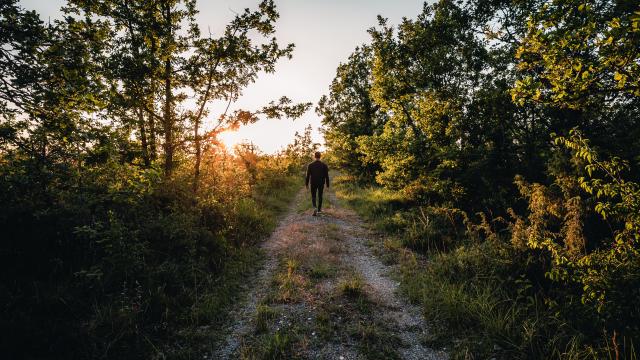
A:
<point x="410" y="324"/>
<point x="259" y="287"/>
<point x="346" y="246"/>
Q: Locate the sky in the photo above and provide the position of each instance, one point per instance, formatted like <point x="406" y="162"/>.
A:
<point x="325" y="33"/>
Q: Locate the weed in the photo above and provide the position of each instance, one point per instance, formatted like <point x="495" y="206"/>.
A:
<point x="352" y="287"/>
<point x="324" y="325"/>
<point x="264" y="315"/>
<point x="290" y="282"/>
<point x="375" y="341"/>
<point x="320" y="269"/>
<point x="276" y="346"/>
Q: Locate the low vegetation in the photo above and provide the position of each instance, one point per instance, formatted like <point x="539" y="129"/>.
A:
<point x="484" y="297"/>
<point x="495" y="144"/>
<point x="135" y="269"/>
<point x="127" y="227"/>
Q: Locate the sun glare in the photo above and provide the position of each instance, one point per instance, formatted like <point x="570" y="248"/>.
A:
<point x="231" y="138"/>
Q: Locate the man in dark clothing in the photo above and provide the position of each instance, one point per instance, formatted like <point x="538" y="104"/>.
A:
<point x="318" y="173"/>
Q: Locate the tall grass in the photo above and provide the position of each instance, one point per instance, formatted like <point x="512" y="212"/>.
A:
<point x="483" y="298"/>
<point x="133" y="267"/>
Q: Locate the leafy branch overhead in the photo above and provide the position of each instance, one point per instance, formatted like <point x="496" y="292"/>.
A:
<point x="274" y="110"/>
<point x="586" y="51"/>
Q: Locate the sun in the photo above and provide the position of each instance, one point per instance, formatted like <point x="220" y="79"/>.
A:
<point x="231" y="138"/>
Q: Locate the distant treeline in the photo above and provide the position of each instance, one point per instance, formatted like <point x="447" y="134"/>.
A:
<point x="510" y="129"/>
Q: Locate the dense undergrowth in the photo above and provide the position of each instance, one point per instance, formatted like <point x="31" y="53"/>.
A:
<point x="499" y="140"/>
<point x="126" y="226"/>
<point x="118" y="264"/>
<point x="484" y="297"/>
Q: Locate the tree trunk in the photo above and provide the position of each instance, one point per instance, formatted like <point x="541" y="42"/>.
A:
<point x="153" y="147"/>
<point x="168" y="116"/>
<point x="152" y="138"/>
<point x="168" y="122"/>
<point x="196" y="174"/>
<point x="143" y="138"/>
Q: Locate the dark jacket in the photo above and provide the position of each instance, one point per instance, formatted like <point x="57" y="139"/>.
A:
<point x="318" y="172"/>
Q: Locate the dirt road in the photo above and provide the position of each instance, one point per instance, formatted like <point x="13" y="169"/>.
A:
<point x="322" y="294"/>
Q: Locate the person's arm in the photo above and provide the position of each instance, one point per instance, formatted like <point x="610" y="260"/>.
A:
<point x="326" y="174"/>
<point x="306" y="181"/>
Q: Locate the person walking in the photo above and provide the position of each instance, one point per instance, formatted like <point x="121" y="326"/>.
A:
<point x="318" y="175"/>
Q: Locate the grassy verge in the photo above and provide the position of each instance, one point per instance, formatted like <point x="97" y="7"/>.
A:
<point x="481" y="296"/>
<point x="253" y="220"/>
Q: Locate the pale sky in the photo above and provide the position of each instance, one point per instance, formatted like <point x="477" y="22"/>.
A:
<point x="325" y="32"/>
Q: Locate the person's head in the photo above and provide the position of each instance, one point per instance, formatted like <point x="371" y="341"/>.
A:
<point x="317" y="155"/>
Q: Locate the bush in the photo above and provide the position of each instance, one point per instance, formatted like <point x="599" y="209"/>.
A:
<point x="489" y="294"/>
<point x="113" y="262"/>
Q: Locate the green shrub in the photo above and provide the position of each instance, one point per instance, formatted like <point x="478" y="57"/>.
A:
<point x="488" y="294"/>
<point x="120" y="264"/>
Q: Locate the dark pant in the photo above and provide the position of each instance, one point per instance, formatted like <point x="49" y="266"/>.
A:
<point x="318" y="189"/>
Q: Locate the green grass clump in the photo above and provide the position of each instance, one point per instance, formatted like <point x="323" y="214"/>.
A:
<point x="423" y="229"/>
<point x="372" y="203"/>
<point x="324" y="324"/>
<point x="264" y="315"/>
<point x="375" y="341"/>
<point x="279" y="345"/>
<point x="321" y="269"/>
<point x="289" y="282"/>
<point x="352" y="287"/>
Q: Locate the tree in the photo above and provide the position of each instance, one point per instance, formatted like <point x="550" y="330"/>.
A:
<point x="349" y="112"/>
<point x="585" y="56"/>
<point x="162" y="61"/>
<point x="299" y="151"/>
<point x="422" y="79"/>
<point x="470" y="94"/>
<point x="50" y="84"/>
<point x="576" y="53"/>
<point x="582" y="58"/>
<point x="91" y="222"/>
